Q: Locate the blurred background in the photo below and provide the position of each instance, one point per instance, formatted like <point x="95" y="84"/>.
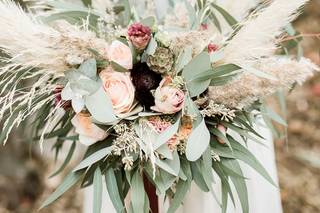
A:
<point x="24" y="172"/>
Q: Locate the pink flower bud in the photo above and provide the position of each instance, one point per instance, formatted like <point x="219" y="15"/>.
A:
<point x="139" y="35"/>
<point x="212" y="48"/>
<point x="223" y="130"/>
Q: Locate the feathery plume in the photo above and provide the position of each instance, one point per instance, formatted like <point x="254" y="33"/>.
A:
<point x="256" y="38"/>
<point x="35" y="53"/>
<point x="249" y="88"/>
<point x="33" y="44"/>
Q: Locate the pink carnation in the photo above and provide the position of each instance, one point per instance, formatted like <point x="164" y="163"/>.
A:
<point x="160" y="125"/>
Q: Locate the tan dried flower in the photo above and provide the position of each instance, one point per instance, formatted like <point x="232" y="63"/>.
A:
<point x="249" y="87"/>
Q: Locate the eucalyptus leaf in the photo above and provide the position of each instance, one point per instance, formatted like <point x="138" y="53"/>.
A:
<point x="93" y="158"/>
<point x="165" y="151"/>
<point x="181" y="191"/>
<point x="100" y="107"/>
<point x="259" y="73"/>
<point x="229" y="18"/>
<point x="97" y="190"/>
<point x="170" y="166"/>
<point x="117" y="67"/>
<point x="198" y="176"/>
<point x="197" y="65"/>
<point x="137" y="193"/>
<point x="273" y="115"/>
<point x="198" y="142"/>
<point x="113" y="190"/>
<point x="66" y="161"/>
<point x="167" y="134"/>
<point x="89" y="69"/>
<point x="243" y="154"/>
<point x="149" y="21"/>
<point x="152" y="46"/>
<point x="66" y="184"/>
<point x="184" y="58"/>
<point x="239" y="184"/>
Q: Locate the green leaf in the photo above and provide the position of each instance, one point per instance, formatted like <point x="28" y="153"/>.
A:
<point x="89" y="69"/>
<point x="170" y="166"/>
<point x="220" y="135"/>
<point x="239" y="183"/>
<point x="198" y="65"/>
<point x="181" y="191"/>
<point x="273" y="115"/>
<point x="137" y="193"/>
<point x="225" y="185"/>
<point x="164" y="137"/>
<point x="198" y="176"/>
<point x="87" y="3"/>
<point x="215" y="21"/>
<point x="165" y="151"/>
<point x="243" y="154"/>
<point x="149" y="21"/>
<point x="217" y="72"/>
<point x="206" y="168"/>
<point x="152" y="46"/>
<point x="192" y="15"/>
<point x="73" y="17"/>
<point x="97" y="190"/>
<point x="100" y="107"/>
<point x="163" y="180"/>
<point x="67" y="183"/>
<point x="198" y="142"/>
<point x="93" y="158"/>
<point x="117" y="67"/>
<point x="183" y="59"/>
<point x="66" y="161"/>
<point x="113" y="190"/>
<point x="230" y="19"/>
<point x="259" y="73"/>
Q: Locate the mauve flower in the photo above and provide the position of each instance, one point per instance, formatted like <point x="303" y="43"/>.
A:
<point x="121" y="54"/>
<point x="89" y="133"/>
<point x="168" y="99"/>
<point x="119" y="88"/>
<point x="139" y="35"/>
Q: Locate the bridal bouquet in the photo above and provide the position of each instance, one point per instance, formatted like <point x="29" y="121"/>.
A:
<point x="168" y="95"/>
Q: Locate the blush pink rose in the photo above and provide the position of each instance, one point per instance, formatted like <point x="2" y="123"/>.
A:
<point x="121" y="54"/>
<point x="120" y="89"/>
<point x="168" y="99"/>
<point x="89" y="133"/>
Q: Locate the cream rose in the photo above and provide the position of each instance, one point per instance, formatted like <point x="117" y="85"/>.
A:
<point x="120" y="89"/>
<point x="89" y="133"/>
<point x="168" y="99"/>
<point x="121" y="54"/>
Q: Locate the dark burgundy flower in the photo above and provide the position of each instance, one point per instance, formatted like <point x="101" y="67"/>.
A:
<point x="212" y="48"/>
<point x="139" y="35"/>
<point x="58" y="100"/>
<point x="144" y="81"/>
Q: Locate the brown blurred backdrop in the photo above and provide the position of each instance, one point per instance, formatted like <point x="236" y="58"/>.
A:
<point x="24" y="173"/>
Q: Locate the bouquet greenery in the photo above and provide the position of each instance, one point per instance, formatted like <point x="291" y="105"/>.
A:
<point x="168" y="94"/>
